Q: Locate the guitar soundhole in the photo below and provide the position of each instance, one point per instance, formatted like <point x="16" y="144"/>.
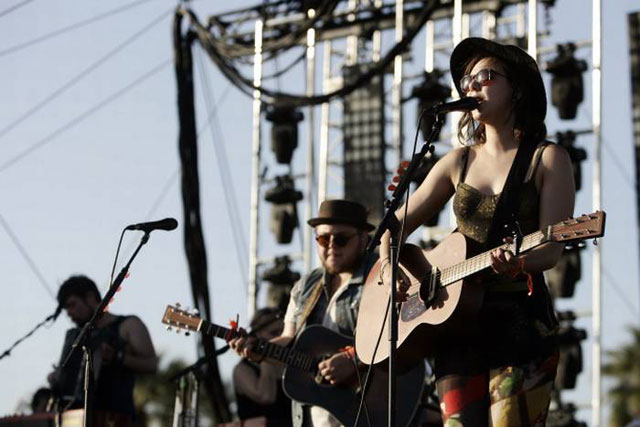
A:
<point x="412" y="308"/>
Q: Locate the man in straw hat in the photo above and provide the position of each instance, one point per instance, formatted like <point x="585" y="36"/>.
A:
<point x="328" y="296"/>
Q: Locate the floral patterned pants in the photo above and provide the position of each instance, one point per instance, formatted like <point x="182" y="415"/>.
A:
<point x="509" y="396"/>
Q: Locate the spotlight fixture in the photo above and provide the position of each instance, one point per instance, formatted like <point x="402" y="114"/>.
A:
<point x="430" y="93"/>
<point x="567" y="89"/>
<point x="284" y="215"/>
<point x="284" y="131"/>
<point x="577" y="155"/>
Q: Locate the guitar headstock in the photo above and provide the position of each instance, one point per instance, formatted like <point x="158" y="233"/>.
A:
<point x="181" y="319"/>
<point x="580" y="228"/>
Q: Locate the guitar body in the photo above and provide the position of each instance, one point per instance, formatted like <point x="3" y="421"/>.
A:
<point x="418" y="325"/>
<point x="343" y="400"/>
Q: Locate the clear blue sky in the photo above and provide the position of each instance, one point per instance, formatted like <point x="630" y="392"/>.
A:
<point x="101" y="163"/>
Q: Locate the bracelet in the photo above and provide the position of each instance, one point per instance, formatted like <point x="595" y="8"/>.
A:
<point x="350" y="351"/>
<point x="518" y="270"/>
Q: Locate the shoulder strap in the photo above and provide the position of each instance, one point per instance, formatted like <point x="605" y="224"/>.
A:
<point x="536" y="160"/>
<point x="465" y="162"/>
<point x="313" y="298"/>
<point x="506" y="209"/>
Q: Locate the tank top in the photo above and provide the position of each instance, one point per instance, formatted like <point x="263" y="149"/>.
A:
<point x="114" y="389"/>
<point x="512" y="328"/>
<point x="277" y="414"/>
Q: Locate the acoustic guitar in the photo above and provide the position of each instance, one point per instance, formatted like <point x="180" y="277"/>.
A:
<point x="439" y="302"/>
<point x="302" y="382"/>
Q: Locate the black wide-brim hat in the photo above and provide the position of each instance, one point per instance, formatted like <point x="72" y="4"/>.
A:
<point x="515" y="57"/>
<point x="342" y="212"/>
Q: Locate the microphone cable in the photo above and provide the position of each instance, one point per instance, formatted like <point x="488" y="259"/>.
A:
<point x="51" y="317"/>
<point x="386" y="315"/>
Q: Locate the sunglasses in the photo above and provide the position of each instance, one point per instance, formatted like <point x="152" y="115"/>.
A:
<point x="481" y="78"/>
<point x="339" y="239"/>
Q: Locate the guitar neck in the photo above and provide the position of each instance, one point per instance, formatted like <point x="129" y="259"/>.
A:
<point x="267" y="349"/>
<point x="479" y="262"/>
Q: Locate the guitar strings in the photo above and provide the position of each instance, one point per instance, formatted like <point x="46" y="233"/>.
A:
<point x="477" y="261"/>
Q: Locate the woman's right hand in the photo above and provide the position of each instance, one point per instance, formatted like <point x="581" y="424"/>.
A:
<point x="402" y="280"/>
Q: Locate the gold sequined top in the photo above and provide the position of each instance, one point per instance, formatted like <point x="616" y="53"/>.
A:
<point x="474" y="210"/>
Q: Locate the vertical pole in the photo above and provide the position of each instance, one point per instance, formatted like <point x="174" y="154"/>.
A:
<point x="255" y="173"/>
<point x="311" y="162"/>
<point x="532" y="39"/>
<point x="597" y="200"/>
<point x="397" y="85"/>
<point x="454" y="117"/>
<point x="376" y="40"/>
<point x="324" y="124"/>
<point x="429" y="46"/>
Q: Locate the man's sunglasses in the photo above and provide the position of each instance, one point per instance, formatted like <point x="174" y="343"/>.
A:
<point x="339" y="239"/>
<point x="481" y="78"/>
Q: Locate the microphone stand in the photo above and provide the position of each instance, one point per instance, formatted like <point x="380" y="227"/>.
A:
<point x="80" y="341"/>
<point x="391" y="223"/>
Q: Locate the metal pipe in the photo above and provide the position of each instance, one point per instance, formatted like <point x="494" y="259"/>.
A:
<point x="311" y="162"/>
<point x="325" y="111"/>
<point x="532" y="38"/>
<point x="254" y="222"/>
<point x="596" y="320"/>
<point x="397" y="85"/>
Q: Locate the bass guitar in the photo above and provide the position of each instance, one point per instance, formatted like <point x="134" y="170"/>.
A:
<point x="450" y="304"/>
<point x="302" y="382"/>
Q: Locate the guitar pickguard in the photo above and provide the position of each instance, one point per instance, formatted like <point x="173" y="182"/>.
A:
<point x="412" y="308"/>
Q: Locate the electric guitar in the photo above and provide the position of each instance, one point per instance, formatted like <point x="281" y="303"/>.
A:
<point x="303" y="383"/>
<point x="438" y="302"/>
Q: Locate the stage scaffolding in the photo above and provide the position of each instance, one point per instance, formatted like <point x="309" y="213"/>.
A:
<point x="356" y="31"/>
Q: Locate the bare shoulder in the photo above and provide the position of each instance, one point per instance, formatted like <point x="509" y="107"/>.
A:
<point x="132" y="325"/>
<point x="555" y="156"/>
<point x="452" y="162"/>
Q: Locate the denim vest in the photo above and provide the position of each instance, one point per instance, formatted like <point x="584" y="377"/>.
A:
<point x="347" y="305"/>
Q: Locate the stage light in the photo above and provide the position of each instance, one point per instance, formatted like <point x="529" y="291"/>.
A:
<point x="567" y="89"/>
<point x="426" y="164"/>
<point x="281" y="280"/>
<point x="284" y="131"/>
<point x="430" y="93"/>
<point x="562" y="278"/>
<point x="280" y="273"/>
<point x="577" y="155"/>
<point x="284" y="214"/>
<point x="570" y="363"/>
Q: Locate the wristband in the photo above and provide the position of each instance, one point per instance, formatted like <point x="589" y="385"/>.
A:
<point x="349" y="351"/>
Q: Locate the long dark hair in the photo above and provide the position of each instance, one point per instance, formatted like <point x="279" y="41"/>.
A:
<point x="528" y="126"/>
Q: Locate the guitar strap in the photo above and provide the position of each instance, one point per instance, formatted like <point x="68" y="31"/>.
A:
<point x="311" y="302"/>
<point x="506" y="211"/>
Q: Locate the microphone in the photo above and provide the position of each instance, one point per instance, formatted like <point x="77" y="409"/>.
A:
<point x="462" y="104"/>
<point x="167" y="224"/>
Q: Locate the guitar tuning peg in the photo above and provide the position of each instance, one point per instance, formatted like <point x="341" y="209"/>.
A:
<point x="178" y="305"/>
<point x="391" y="188"/>
<point x="178" y="331"/>
<point x="595" y="242"/>
<point x="186" y="334"/>
<point x="195" y="312"/>
<point x="169" y="328"/>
